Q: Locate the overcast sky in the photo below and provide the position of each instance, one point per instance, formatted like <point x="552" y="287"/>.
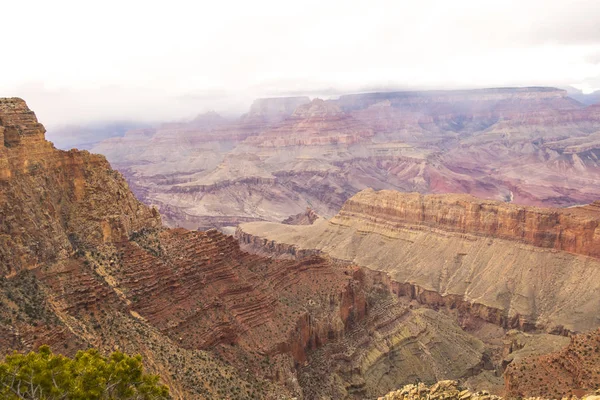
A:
<point x="76" y="61"/>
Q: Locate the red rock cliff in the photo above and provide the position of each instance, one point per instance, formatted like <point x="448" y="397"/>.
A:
<point x="52" y="200"/>
<point x="576" y="230"/>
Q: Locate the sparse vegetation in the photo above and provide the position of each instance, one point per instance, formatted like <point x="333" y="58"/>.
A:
<point x="46" y="376"/>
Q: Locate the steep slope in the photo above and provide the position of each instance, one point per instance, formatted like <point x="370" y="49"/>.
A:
<point x="570" y="371"/>
<point x="535" y="267"/>
<point x="52" y="201"/>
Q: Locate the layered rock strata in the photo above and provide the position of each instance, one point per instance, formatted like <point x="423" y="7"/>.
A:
<point x="52" y="201"/>
<point x="537" y="268"/>
<point x="575" y="230"/>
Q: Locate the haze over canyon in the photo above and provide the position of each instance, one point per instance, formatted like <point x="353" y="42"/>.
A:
<point x="530" y="146"/>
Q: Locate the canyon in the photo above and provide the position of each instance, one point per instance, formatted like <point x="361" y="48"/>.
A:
<point x="538" y="267"/>
<point x="515" y="267"/>
<point x="390" y="289"/>
<point x="84" y="263"/>
<point x="529" y="146"/>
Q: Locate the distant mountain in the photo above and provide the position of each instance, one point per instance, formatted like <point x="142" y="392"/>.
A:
<point x="530" y="145"/>
<point x="587" y="99"/>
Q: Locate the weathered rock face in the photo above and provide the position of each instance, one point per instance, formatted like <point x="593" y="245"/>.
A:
<point x="527" y="264"/>
<point x="54" y="201"/>
<point x="576" y="230"/>
<point x="452" y="390"/>
<point x="20" y="124"/>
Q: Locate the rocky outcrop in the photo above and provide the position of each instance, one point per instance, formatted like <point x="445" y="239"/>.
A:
<point x="305" y="218"/>
<point x="458" y="249"/>
<point x="452" y="390"/>
<point x="55" y="201"/>
<point x="576" y="230"/>
<point x="447" y="389"/>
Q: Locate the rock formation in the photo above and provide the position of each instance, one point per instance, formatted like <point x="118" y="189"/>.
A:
<point x="528" y="264"/>
<point x="572" y="370"/>
<point x="529" y="146"/>
<point x="314" y="124"/>
<point x="452" y="390"/>
<point x="394" y="288"/>
<point x="511" y="266"/>
<point x="53" y="202"/>
<point x="83" y="263"/>
<point x="575" y="230"/>
<point x="306" y="218"/>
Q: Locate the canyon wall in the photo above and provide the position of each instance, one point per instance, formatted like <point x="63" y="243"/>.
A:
<point x="53" y="201"/>
<point x="576" y="230"/>
<point x="530" y="146"/>
<point x="492" y="255"/>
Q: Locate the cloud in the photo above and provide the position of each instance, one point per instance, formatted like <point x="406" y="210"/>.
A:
<point x="154" y="60"/>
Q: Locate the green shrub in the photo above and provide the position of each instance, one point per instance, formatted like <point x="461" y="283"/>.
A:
<point x="43" y="375"/>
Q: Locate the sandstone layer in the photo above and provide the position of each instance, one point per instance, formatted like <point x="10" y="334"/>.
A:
<point x="575" y="230"/>
<point x="536" y="267"/>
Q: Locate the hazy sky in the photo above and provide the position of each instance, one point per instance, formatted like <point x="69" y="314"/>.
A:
<point x="77" y="61"/>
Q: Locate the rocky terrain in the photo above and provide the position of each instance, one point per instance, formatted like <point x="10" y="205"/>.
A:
<point x="452" y="390"/>
<point x="534" y="267"/>
<point x="570" y="371"/>
<point x="530" y="146"/>
<point x="511" y="266"/>
<point x="84" y="264"/>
